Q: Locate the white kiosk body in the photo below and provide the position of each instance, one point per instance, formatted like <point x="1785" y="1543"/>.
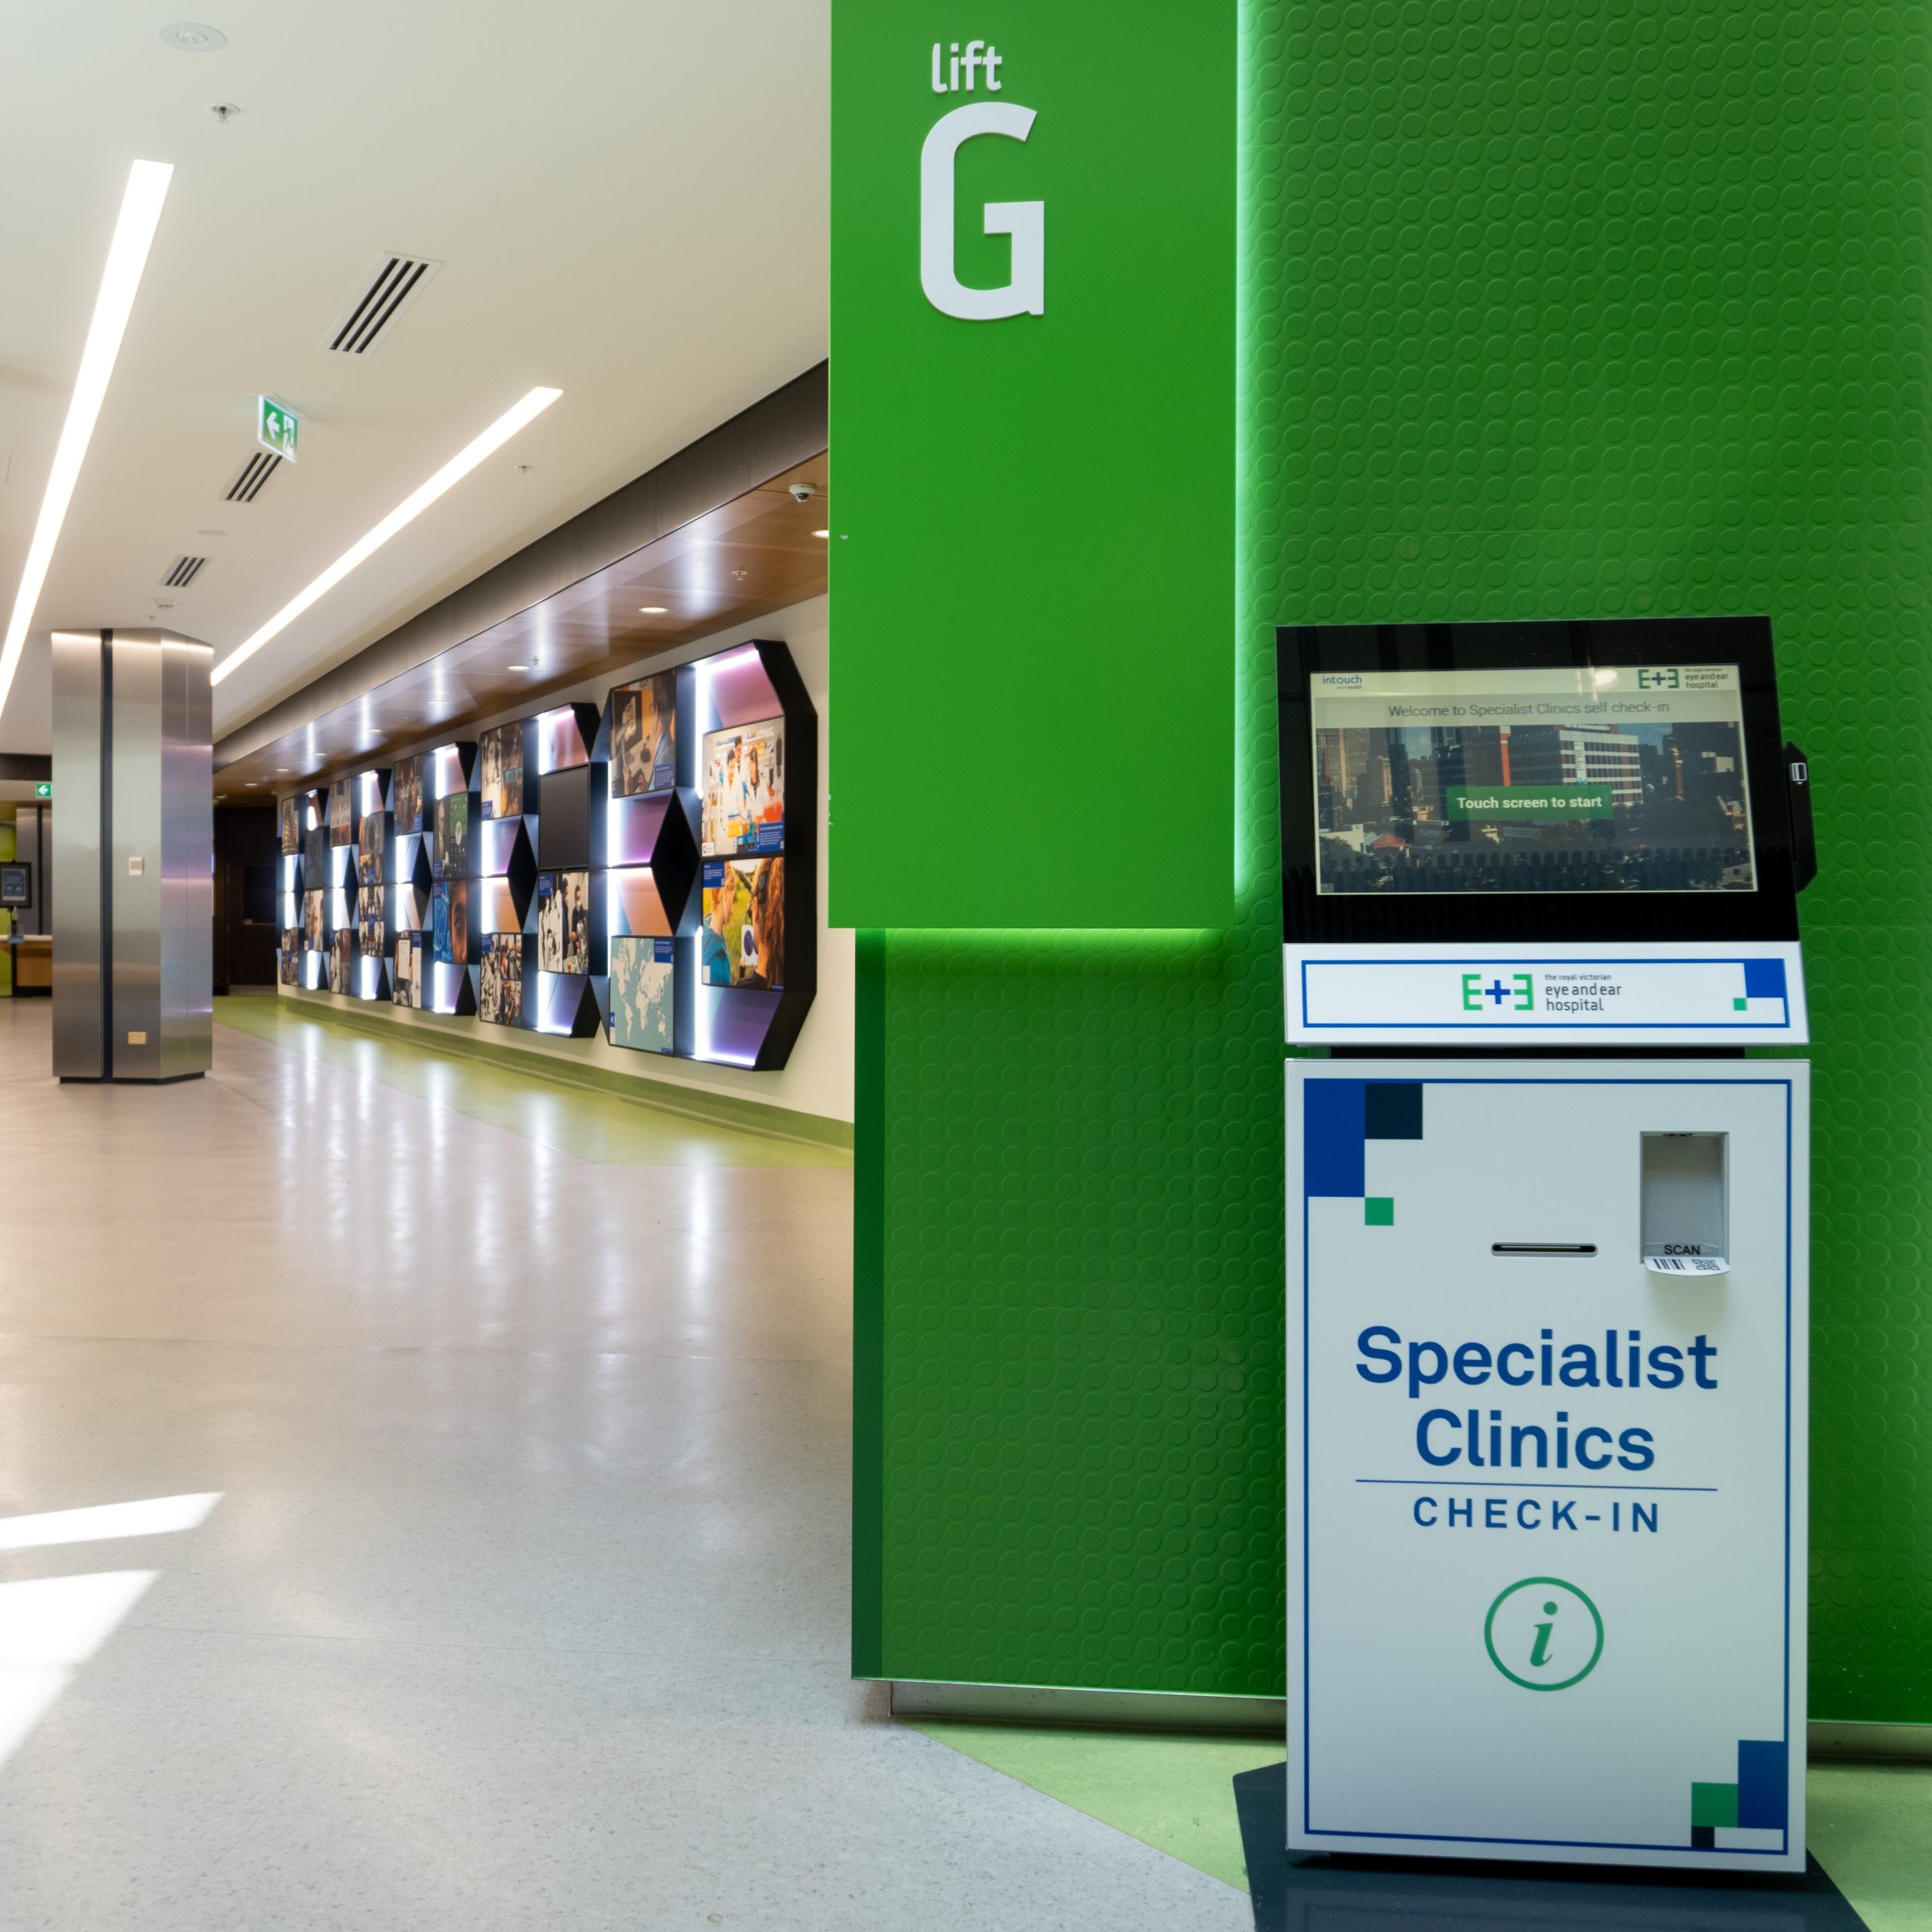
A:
<point x="1548" y="1316"/>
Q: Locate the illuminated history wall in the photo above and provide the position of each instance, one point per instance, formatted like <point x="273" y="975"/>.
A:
<point x="642" y="870"/>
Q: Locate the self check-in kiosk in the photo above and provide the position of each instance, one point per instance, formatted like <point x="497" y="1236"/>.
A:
<point x="1547" y="1276"/>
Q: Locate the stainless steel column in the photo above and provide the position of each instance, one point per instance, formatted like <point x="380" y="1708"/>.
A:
<point x="187" y="859"/>
<point x="33" y="832"/>
<point x="132" y="856"/>
<point x="80" y="963"/>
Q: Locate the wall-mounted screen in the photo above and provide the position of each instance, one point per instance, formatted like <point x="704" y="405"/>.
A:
<point x="406" y="797"/>
<point x="742" y="943"/>
<point x="744" y="788"/>
<point x="644" y="736"/>
<point x="342" y="813"/>
<point x="369" y="849"/>
<point x="1610" y="779"/>
<point x="315" y="921"/>
<point x="406" y="981"/>
<point x="342" y="962"/>
<point x="499" y="980"/>
<point x="17" y="884"/>
<point x="452" y="843"/>
<point x="288" y="965"/>
<point x="369" y="921"/>
<point x="499" y="771"/>
<point x="563" y="922"/>
<point x="449" y="921"/>
<point x="641" y="1006"/>
<point x="289" y="825"/>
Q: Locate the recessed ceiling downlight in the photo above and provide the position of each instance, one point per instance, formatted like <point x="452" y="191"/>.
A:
<point x="652" y="610"/>
<point x="191" y="37"/>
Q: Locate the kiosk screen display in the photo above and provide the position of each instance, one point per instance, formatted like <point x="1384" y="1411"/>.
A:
<point x="1616" y="779"/>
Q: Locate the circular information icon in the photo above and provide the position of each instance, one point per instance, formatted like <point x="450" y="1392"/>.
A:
<point x="1543" y="1634"/>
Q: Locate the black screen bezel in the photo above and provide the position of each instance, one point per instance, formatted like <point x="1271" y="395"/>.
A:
<point x="1310" y="918"/>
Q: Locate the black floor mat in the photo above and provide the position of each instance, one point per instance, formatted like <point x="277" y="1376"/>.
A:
<point x="1347" y="1893"/>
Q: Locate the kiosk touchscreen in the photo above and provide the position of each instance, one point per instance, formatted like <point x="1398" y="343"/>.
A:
<point x="1547" y="1281"/>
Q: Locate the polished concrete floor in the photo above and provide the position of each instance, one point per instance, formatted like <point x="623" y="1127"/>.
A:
<point x="521" y="1598"/>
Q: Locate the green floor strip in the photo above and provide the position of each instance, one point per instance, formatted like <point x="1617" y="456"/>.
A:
<point x="566" y="1061"/>
<point x="1176" y="1794"/>
<point x="1870" y="1826"/>
<point x="588" y="1125"/>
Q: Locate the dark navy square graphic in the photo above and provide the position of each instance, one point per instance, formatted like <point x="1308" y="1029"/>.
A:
<point x="1392" y="1110"/>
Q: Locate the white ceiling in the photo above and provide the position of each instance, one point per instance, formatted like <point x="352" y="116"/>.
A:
<point x="629" y="197"/>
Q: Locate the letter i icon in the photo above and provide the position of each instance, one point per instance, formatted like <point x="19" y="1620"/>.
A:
<point x="1539" y="1656"/>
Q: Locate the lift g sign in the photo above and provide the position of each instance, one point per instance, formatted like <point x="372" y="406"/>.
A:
<point x="985" y="155"/>
<point x="1025" y="294"/>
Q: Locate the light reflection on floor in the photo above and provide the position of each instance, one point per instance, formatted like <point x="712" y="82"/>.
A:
<point x="585" y="1123"/>
<point x="50" y="1625"/>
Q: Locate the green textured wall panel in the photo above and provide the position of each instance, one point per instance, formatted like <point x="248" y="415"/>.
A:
<point x="1550" y="310"/>
<point x="1083" y="1344"/>
<point x="1619" y="309"/>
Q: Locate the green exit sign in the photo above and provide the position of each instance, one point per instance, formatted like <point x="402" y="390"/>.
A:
<point x="44" y="789"/>
<point x="275" y="427"/>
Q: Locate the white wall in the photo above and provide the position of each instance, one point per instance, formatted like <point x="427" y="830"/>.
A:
<point x="819" y="1078"/>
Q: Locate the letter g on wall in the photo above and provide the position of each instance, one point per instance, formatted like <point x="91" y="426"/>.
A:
<point x="1025" y="221"/>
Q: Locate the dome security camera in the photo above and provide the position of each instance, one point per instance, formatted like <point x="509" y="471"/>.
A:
<point x="803" y="492"/>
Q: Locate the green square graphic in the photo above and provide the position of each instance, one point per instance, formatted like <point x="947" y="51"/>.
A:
<point x="1742" y="1005"/>
<point x="1714" y="1804"/>
<point x="1378" y="1211"/>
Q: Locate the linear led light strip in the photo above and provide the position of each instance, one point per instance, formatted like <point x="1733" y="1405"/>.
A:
<point x="405" y="513"/>
<point x="120" y="282"/>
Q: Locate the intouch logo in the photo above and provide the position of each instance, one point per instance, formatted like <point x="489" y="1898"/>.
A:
<point x="1543" y="1634"/>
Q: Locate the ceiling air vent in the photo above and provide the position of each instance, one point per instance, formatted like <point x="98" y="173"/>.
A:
<point x="186" y="570"/>
<point x="390" y="291"/>
<point x="255" y="473"/>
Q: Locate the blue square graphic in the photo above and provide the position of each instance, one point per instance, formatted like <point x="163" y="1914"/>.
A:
<point x="1333" y="1158"/>
<point x="1764" y="979"/>
<point x="1762" y="1785"/>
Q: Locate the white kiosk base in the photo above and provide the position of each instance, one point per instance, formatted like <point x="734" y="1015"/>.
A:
<point x="1547" y="1518"/>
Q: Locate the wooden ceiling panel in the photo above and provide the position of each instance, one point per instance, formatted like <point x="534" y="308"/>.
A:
<point x="756" y="554"/>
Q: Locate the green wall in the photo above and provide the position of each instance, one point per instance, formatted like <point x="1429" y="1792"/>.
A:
<point x="1551" y="310"/>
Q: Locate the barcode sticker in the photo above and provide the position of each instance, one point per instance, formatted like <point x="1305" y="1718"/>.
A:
<point x="1687" y="1264"/>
